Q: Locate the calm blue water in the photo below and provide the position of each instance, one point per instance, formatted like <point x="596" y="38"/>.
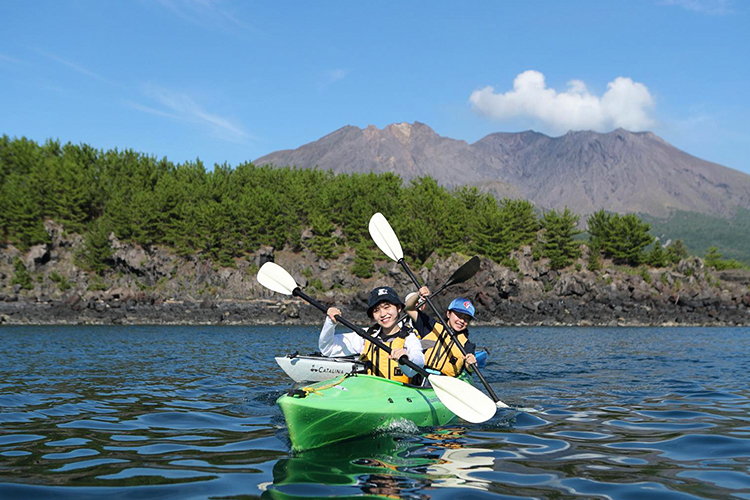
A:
<point x="188" y="412"/>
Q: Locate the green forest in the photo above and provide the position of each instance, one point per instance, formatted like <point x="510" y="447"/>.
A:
<point x="225" y="213"/>
<point x="700" y="232"/>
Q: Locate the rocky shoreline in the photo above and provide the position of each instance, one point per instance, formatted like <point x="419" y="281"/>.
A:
<point x="155" y="286"/>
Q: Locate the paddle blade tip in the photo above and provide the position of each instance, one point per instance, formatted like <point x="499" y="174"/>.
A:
<point x="384" y="237"/>
<point x="276" y="278"/>
<point x="463" y="399"/>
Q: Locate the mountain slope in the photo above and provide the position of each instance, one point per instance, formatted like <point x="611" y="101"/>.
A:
<point x="619" y="171"/>
<point x="411" y="150"/>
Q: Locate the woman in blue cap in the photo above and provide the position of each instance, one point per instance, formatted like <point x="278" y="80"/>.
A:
<point x="384" y="307"/>
<point x="440" y="350"/>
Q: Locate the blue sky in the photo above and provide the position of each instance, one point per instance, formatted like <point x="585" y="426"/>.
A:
<point x="230" y="81"/>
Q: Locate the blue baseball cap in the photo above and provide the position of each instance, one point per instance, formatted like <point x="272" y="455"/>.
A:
<point x="382" y="294"/>
<point x="462" y="305"/>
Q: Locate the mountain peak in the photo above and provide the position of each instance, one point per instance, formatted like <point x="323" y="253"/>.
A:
<point x="402" y="131"/>
<point x="584" y="170"/>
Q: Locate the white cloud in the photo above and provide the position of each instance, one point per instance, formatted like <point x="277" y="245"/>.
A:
<point x="206" y="13"/>
<point x="77" y="67"/>
<point x="182" y="107"/>
<point x="336" y="75"/>
<point x="713" y="7"/>
<point x="625" y="104"/>
<point x="330" y="77"/>
<point x="13" y="60"/>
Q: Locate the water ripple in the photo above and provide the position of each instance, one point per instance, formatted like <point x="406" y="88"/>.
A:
<point x="189" y="412"/>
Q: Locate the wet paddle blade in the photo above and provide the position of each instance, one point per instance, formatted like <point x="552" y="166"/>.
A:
<point x="384" y="237"/>
<point x="274" y="277"/>
<point x="463" y="399"/>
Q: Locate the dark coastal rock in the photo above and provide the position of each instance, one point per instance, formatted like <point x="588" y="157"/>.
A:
<point x="37" y="256"/>
<point x="738" y="276"/>
<point x="263" y="255"/>
<point x="690" y="266"/>
<point x="153" y="286"/>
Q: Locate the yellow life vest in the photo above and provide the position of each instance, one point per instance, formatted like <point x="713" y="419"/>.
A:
<point x="379" y="363"/>
<point x="441" y="353"/>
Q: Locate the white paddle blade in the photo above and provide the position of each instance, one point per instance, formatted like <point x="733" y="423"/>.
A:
<point x="463" y="399"/>
<point x="384" y="237"/>
<point x="274" y="277"/>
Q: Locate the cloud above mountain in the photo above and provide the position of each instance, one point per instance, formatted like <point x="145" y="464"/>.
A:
<point x="625" y="104"/>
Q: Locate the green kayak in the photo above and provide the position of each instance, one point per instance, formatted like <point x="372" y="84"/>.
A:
<point x="351" y="406"/>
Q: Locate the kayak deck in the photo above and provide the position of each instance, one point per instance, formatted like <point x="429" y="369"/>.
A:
<point x="316" y="368"/>
<point x="351" y="406"/>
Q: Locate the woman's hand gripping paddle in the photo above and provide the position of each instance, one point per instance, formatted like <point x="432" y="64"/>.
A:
<point x="385" y="238"/>
<point x="461" y="398"/>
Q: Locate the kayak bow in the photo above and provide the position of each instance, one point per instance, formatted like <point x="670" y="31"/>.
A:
<point x="318" y="368"/>
<point x="352" y="406"/>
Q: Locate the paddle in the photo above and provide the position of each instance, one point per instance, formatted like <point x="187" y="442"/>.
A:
<point x="387" y="241"/>
<point x="463" y="273"/>
<point x="461" y="398"/>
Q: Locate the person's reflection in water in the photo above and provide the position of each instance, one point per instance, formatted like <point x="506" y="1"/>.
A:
<point x="391" y="487"/>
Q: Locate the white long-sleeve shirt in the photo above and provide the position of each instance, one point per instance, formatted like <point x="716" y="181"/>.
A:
<point x="334" y="344"/>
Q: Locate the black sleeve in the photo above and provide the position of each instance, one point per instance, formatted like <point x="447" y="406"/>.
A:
<point x="470" y="347"/>
<point x="424" y="324"/>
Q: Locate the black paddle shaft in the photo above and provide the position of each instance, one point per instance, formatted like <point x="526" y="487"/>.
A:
<point x="449" y="330"/>
<point x="404" y="360"/>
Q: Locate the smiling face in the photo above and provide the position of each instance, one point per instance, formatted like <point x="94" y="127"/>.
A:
<point x="458" y="321"/>
<point x="385" y="314"/>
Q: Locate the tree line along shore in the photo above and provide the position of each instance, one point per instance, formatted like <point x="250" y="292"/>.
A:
<point x="72" y="217"/>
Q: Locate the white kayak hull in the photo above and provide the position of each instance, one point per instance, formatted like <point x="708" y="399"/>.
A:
<point x="305" y="369"/>
<point x="318" y="368"/>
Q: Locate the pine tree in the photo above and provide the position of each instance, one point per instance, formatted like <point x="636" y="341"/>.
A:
<point x="21" y="275"/>
<point x="96" y="253"/>
<point x="22" y="216"/>
<point x="622" y="238"/>
<point x="657" y="257"/>
<point x="363" y="260"/>
<point x="558" y="243"/>
<point x="600" y="229"/>
<point x="522" y="222"/>
<point x="594" y="263"/>
<point x="677" y="251"/>
<point x="630" y="237"/>
<point x="493" y="238"/>
<point x="323" y="243"/>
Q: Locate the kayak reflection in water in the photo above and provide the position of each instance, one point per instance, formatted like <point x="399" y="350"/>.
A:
<point x="440" y="350"/>
<point x="384" y="307"/>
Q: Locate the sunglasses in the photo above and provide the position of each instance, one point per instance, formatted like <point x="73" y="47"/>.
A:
<point x="463" y="316"/>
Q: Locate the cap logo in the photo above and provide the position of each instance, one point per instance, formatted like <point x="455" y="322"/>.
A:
<point x="383" y="291"/>
<point x="467" y="304"/>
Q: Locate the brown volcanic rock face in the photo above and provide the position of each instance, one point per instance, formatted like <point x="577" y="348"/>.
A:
<point x="619" y="171"/>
